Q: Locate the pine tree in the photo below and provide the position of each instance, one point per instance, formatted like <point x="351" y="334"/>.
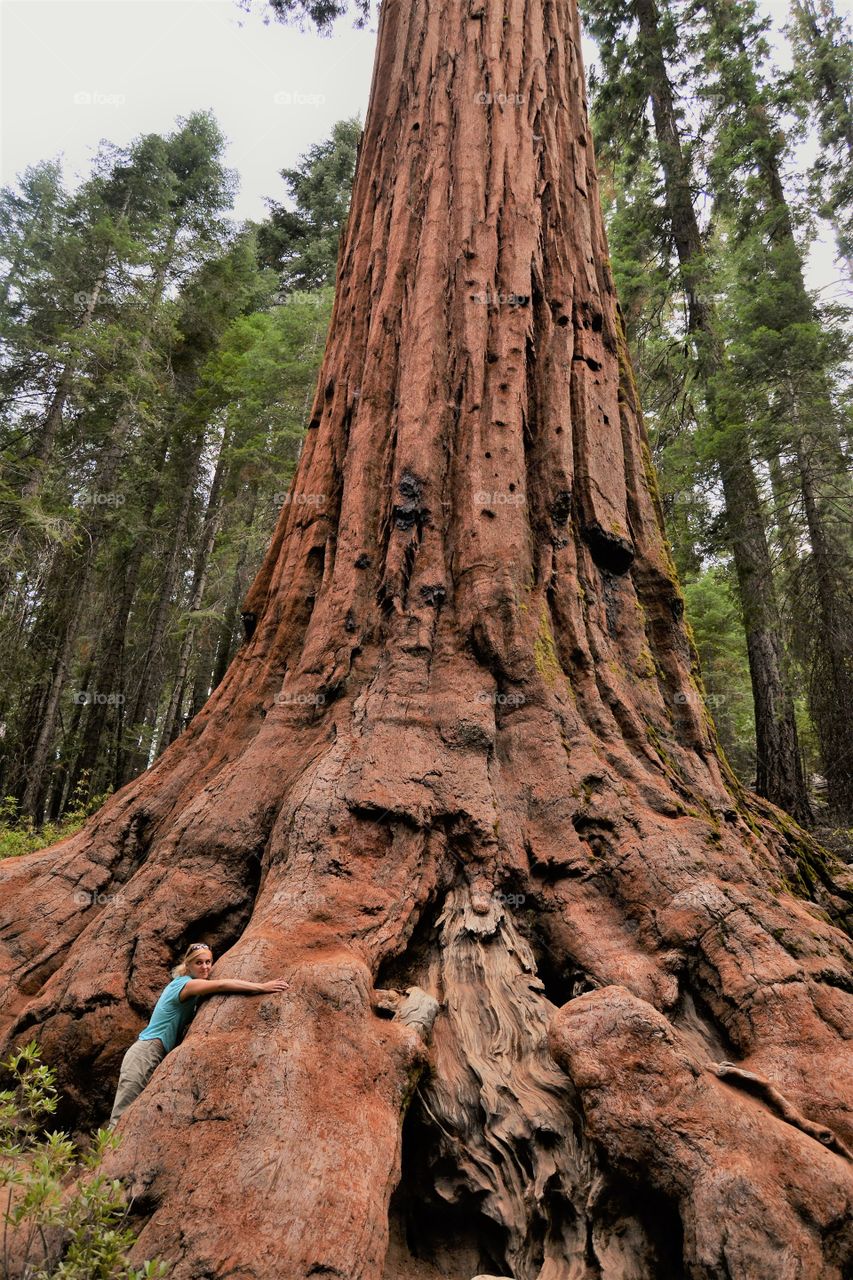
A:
<point x="789" y="350"/>
<point x="649" y="55"/>
<point x="302" y="243"/>
<point x="823" y="85"/>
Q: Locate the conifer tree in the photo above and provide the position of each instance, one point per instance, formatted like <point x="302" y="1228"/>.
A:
<point x="637" y="66"/>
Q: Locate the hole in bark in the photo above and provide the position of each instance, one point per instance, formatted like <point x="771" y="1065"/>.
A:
<point x="597" y="323"/>
<point x="562" y="321"/>
<point x="316" y="559"/>
<point x="611" y="552"/>
<point x="221" y="929"/>
<point x="330" y="389"/>
<point x="697" y="1023"/>
<point x="442" y="1229"/>
<point x="632" y="1210"/>
<point x="410" y="511"/>
<point x="561" y="506"/>
<point x="410" y="966"/>
<point x="595" y="830"/>
<point x="563" y="979"/>
<point x="249" y="621"/>
<point x="434" y="595"/>
<point x="363" y="561"/>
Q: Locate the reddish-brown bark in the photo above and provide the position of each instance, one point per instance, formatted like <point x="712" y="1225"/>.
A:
<point x="464" y="749"/>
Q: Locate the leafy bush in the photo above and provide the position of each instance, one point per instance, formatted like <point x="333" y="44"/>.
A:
<point x="68" y="1218"/>
<point x="18" y="834"/>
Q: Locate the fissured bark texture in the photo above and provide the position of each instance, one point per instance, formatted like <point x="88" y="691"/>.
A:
<point x="464" y="749"/>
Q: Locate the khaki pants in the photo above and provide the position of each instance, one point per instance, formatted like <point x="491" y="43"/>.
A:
<point x="137" y="1068"/>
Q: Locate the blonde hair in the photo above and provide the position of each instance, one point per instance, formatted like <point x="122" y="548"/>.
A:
<point x="180" y="970"/>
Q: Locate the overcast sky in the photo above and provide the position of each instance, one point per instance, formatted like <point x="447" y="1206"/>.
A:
<point x="76" y="71"/>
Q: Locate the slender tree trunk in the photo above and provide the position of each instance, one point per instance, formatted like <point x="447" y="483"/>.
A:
<point x="53" y="418"/>
<point x="832" y="679"/>
<point x="61" y="784"/>
<point x="153" y="675"/>
<point x="172" y="721"/>
<point x="463" y="754"/>
<point x="108" y="693"/>
<point x="831" y="707"/>
<point x="37" y="778"/>
<point x="105" y="709"/>
<point x="779" y="773"/>
<point x="227" y="640"/>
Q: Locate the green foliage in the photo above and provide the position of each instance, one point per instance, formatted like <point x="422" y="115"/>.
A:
<point x="822" y="84"/>
<point x="714" y="613"/>
<point x="322" y="14"/>
<point x="19" y="834"/>
<point x="64" y="1219"/>
<point x="157" y="385"/>
<point x="736" y="361"/>
<point x="302" y="243"/>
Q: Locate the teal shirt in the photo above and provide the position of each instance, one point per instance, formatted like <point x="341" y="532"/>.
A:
<point x="170" y="1015"/>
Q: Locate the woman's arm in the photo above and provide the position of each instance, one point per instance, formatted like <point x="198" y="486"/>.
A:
<point x="203" y="987"/>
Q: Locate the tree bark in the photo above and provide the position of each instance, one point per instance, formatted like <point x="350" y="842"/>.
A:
<point x="463" y="751"/>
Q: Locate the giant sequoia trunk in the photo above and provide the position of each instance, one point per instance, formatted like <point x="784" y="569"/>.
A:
<point x="464" y="750"/>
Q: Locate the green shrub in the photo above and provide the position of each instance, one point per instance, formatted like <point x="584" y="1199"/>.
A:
<point x="18" y="834"/>
<point x="69" y="1219"/>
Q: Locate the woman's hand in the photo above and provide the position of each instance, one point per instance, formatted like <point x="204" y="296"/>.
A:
<point x="277" y="984"/>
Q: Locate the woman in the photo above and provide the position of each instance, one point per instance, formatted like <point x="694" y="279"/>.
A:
<point x="172" y="1013"/>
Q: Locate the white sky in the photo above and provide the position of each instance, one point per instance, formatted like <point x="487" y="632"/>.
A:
<point x="76" y="71"/>
<point x="143" y="63"/>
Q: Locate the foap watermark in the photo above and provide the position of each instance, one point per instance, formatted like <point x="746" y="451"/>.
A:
<point x="499" y="99"/>
<point x="502" y="699"/>
<point x="300" y="699"/>
<point x="510" y="899"/>
<point x="315" y="500"/>
<point x="93" y="698"/>
<point x="295" y="98"/>
<point x="102" y="498"/>
<point x="495" y="298"/>
<point x="682" y="699"/>
<point x="499" y="498"/>
<point x="87" y="898"/>
<point x="95" y="98"/>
